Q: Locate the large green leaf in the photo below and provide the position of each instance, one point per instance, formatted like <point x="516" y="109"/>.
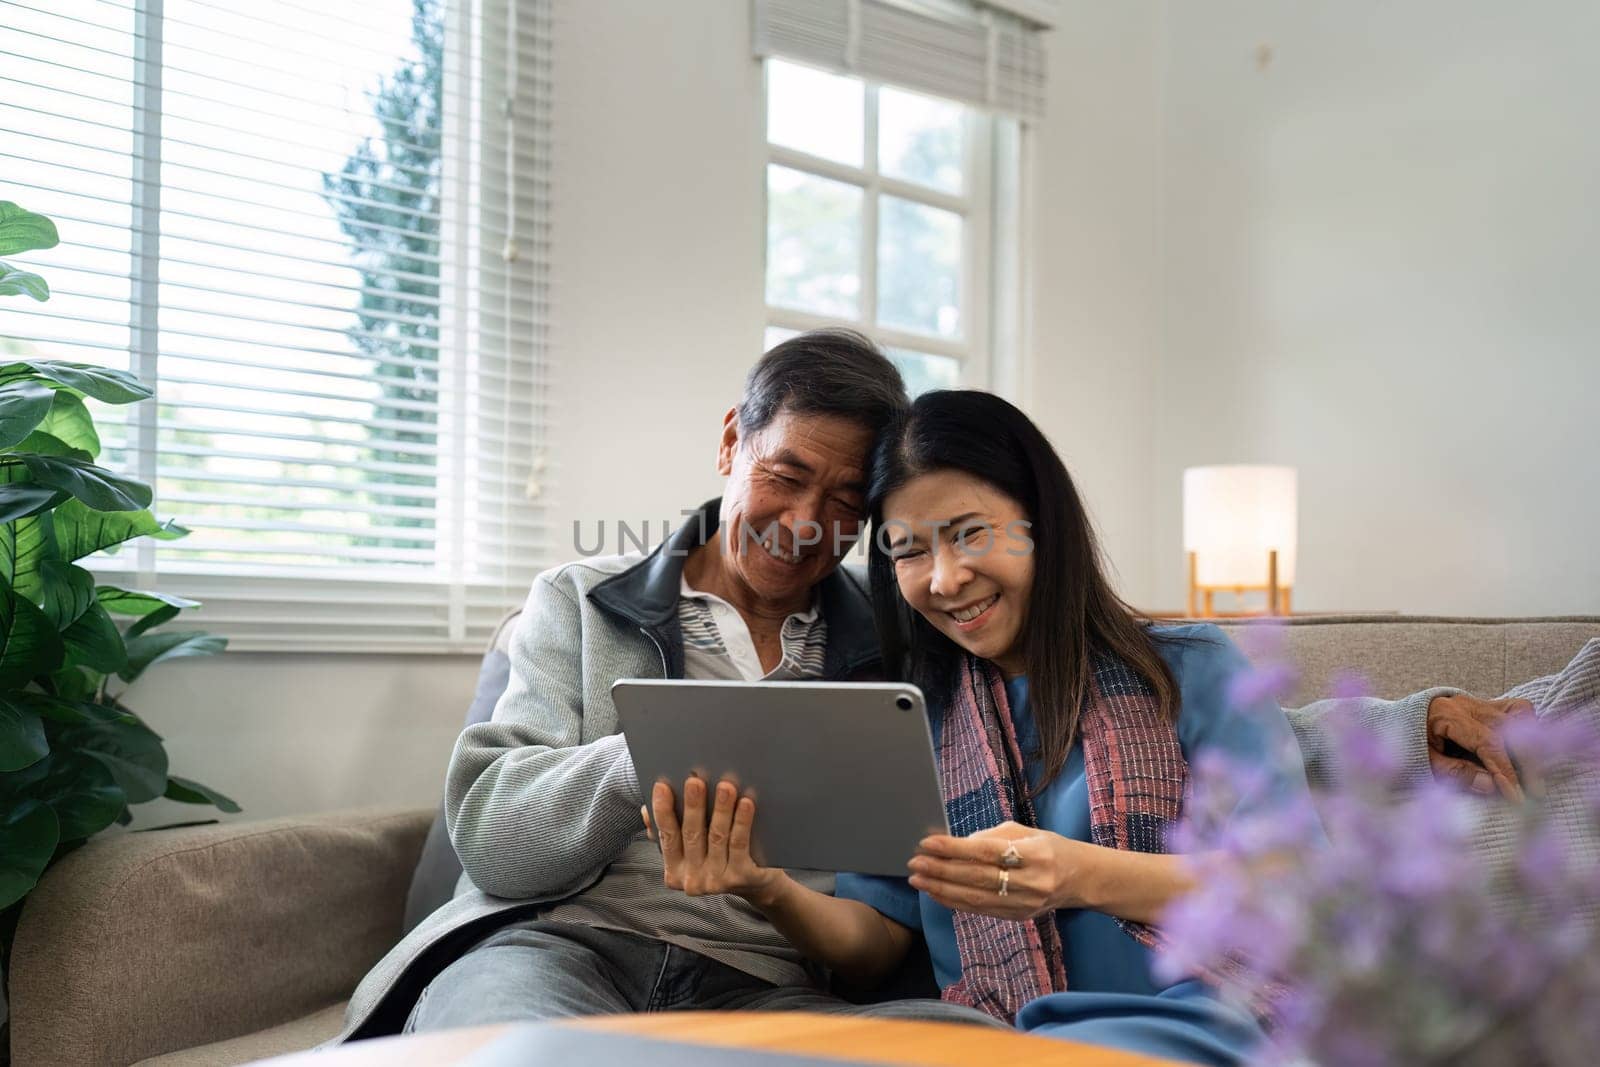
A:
<point x="83" y="791"/>
<point x="23" y="231"/>
<point x="72" y="683"/>
<point x="146" y="650"/>
<point x="71" y="710"/>
<point x="21" y="499"/>
<point x="131" y="752"/>
<point x="18" y="785"/>
<point x="69" y="420"/>
<point x="29" y="834"/>
<point x="94" y="641"/>
<point x="102" y="383"/>
<point x="113" y="704"/>
<point x="23" y="406"/>
<point x="66" y="592"/>
<point x="25" y="545"/>
<point x="159" y="617"/>
<point x="95" y="486"/>
<point x="137" y="601"/>
<point x="43" y="443"/>
<point x="29" y="643"/>
<point x="81" y="530"/>
<point x="192" y="792"/>
<point x="15" y="280"/>
<point x="22" y="740"/>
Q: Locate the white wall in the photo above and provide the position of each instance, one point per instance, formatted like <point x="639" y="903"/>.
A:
<point x="1095" y="239"/>
<point x="1382" y="267"/>
<point x="286" y="734"/>
<point x="659" y="230"/>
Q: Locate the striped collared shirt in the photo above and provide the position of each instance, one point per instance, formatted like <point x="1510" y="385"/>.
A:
<point x="717" y="643"/>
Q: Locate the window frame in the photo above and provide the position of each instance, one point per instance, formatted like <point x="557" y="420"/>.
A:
<point x="974" y="351"/>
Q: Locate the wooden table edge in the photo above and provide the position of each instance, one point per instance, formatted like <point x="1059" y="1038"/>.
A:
<point x="867" y="1040"/>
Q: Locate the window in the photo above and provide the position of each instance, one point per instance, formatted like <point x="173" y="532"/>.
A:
<point x="318" y="231"/>
<point x="879" y="217"/>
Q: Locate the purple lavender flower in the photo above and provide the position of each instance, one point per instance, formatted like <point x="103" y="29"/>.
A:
<point x="1354" y="1048"/>
<point x="1248" y="689"/>
<point x="1553" y="743"/>
<point x="1543" y="861"/>
<point x="1350" y="685"/>
<point x="1368" y="756"/>
<point x="1392" y="939"/>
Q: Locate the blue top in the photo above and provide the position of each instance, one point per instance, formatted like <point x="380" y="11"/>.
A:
<point x="1099" y="956"/>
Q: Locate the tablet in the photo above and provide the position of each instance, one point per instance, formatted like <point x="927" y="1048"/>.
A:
<point x="843" y="774"/>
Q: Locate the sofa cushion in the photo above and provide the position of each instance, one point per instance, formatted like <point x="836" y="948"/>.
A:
<point x="1536" y="649"/>
<point x="139" y="944"/>
<point x="1401" y="654"/>
<point x="296" y="1035"/>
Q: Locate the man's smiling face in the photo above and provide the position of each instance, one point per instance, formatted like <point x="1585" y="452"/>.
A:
<point x="793" y="504"/>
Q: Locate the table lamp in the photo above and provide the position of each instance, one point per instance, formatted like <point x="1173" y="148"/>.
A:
<point x="1240" y="525"/>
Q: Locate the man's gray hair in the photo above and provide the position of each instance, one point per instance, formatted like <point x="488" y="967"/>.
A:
<point x="835" y="372"/>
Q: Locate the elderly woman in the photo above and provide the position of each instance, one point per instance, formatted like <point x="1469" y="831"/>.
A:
<point x="1064" y="725"/>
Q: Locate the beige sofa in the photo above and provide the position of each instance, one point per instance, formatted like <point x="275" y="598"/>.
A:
<point x="222" y="944"/>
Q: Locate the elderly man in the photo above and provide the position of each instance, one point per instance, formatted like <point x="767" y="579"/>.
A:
<point x="566" y="912"/>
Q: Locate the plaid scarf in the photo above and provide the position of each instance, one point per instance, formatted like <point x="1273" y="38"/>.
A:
<point x="1137" y="777"/>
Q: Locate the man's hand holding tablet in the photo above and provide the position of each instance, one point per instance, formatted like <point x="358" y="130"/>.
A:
<point x="703" y="855"/>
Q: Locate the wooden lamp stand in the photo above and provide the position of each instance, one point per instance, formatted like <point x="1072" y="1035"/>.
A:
<point x="1201" y="603"/>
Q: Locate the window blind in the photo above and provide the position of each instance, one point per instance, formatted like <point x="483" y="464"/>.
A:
<point x="1040" y="13"/>
<point x="321" y="232"/>
<point x="987" y="55"/>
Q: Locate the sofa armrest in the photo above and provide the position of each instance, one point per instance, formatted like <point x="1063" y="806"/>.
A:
<point x="144" y="943"/>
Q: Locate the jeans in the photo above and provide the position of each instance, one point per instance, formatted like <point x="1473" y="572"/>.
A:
<point x="546" y="969"/>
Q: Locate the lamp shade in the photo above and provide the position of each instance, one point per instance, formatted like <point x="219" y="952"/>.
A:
<point x="1233" y="515"/>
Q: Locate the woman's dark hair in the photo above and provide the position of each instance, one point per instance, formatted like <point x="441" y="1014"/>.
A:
<point x="1072" y="612"/>
<point x="823" y="372"/>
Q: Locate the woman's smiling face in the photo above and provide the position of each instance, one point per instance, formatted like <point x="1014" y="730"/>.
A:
<point x="963" y="558"/>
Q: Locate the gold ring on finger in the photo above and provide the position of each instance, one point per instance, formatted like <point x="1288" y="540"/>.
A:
<point x="1005" y="881"/>
<point x="1011" y="857"/>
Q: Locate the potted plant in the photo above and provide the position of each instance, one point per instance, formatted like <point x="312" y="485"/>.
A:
<point x="73" y="758"/>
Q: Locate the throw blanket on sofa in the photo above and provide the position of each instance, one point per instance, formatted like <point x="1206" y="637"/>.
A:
<point x="1571" y="694"/>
